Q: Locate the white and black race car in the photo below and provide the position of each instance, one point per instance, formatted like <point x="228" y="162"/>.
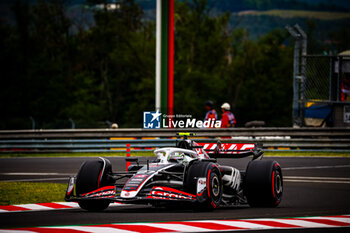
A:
<point x="186" y="173"/>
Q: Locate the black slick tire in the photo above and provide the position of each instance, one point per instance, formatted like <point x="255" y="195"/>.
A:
<point x="211" y="198"/>
<point x="263" y="184"/>
<point x="91" y="176"/>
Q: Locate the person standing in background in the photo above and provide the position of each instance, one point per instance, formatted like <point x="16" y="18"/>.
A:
<point x="228" y="120"/>
<point x="211" y="114"/>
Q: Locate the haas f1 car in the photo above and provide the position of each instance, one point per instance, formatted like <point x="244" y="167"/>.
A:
<point x="186" y="173"/>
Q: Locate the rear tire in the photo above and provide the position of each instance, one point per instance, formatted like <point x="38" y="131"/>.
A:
<point x="263" y="184"/>
<point x="91" y="176"/>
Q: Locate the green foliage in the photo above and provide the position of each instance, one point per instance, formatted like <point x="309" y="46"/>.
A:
<point x="265" y="92"/>
<point x="201" y="45"/>
<point x="91" y="76"/>
<point x="342" y="37"/>
<point x="112" y="153"/>
<point x="213" y="63"/>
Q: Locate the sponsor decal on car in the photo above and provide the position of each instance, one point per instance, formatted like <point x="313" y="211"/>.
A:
<point x="111" y="192"/>
<point x="136" y="180"/>
<point x="105" y="191"/>
<point x="167" y="193"/>
<point x="209" y="147"/>
<point x="132" y="187"/>
<point x="201" y="184"/>
<point x="70" y="186"/>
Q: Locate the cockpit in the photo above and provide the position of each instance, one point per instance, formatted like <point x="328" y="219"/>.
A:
<point x="175" y="155"/>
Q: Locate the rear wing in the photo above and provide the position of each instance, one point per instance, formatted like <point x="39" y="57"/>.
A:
<point x="230" y="150"/>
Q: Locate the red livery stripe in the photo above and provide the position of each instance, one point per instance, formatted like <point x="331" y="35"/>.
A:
<point x="99" y="190"/>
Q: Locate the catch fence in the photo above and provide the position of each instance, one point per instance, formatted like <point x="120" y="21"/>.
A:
<point x="325" y="78"/>
<point x="322" y="91"/>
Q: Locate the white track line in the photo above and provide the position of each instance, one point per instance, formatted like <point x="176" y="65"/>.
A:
<point x="311" y="179"/>
<point x="318" y="181"/>
<point x="315" y="177"/>
<point x="315" y="167"/>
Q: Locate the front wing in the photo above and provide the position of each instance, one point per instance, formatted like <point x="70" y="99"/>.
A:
<point x="147" y="195"/>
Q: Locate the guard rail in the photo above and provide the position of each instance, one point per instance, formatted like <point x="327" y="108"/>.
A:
<point x="112" y="140"/>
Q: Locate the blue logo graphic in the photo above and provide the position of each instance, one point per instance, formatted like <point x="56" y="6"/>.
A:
<point x="151" y="120"/>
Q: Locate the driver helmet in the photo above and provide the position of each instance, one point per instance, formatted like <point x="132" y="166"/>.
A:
<point x="178" y="156"/>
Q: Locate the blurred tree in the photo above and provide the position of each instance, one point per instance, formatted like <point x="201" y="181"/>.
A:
<point x="213" y="63"/>
<point x="90" y="76"/>
<point x="340" y="39"/>
<point x="201" y="44"/>
<point x="266" y="93"/>
<point x="119" y="52"/>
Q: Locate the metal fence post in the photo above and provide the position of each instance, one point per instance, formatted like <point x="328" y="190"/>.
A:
<point x="296" y="37"/>
<point x="339" y="78"/>
<point x="331" y="71"/>
<point x="127" y="155"/>
<point x="303" y="41"/>
<point x="33" y="122"/>
<point x="299" y="73"/>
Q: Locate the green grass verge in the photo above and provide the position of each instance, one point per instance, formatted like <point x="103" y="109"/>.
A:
<point x="75" y="154"/>
<point x="29" y="192"/>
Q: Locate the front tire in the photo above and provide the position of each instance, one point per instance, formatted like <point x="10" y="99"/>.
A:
<point x="91" y="176"/>
<point x="263" y="184"/>
<point x="215" y="188"/>
<point x="211" y="197"/>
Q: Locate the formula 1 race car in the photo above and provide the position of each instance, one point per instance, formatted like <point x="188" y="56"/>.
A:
<point x="187" y="173"/>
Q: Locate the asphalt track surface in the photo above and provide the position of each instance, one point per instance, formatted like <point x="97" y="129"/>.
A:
<point x="312" y="187"/>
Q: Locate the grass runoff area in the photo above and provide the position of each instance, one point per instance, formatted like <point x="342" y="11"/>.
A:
<point x="12" y="193"/>
<point x="34" y="192"/>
